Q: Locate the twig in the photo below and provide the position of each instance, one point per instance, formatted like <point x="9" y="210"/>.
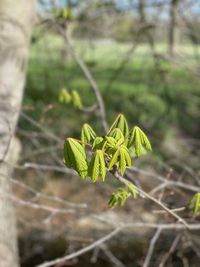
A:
<point x="113" y="259"/>
<point x="163" y="179"/>
<point x="89" y="77"/>
<point x="171" y="250"/>
<point x="37" y="125"/>
<point x="40" y="206"/>
<point x="52" y="198"/>
<point x="175" y="210"/>
<point x="37" y="166"/>
<point x="146" y="195"/>
<point x="151" y="247"/>
<point x="171" y="226"/>
<point x="83" y="250"/>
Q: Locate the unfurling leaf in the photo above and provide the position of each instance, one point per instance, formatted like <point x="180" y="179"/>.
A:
<point x="76" y="100"/>
<point x="120" y="158"/>
<point x="116" y="134"/>
<point x="132" y="190"/>
<point x="110" y="141"/>
<point x="87" y="133"/>
<point x="97" y="166"/>
<point x="114" y="160"/>
<point x="64" y="96"/>
<point x="121" y="123"/>
<point x="102" y="165"/>
<point x="75" y="157"/>
<point x="194" y="204"/>
<point x="120" y="196"/>
<point x="112" y="151"/>
<point x="98" y="143"/>
<point x="65" y="12"/>
<point x="140" y="141"/>
<point x="125" y="159"/>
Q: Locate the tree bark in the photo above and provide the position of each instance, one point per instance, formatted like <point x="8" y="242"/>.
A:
<point x="172" y="27"/>
<point x="143" y="21"/>
<point x="16" y="21"/>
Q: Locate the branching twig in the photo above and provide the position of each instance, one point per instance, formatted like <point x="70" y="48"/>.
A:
<point x="102" y="240"/>
<point x="146" y="195"/>
<point x="83" y="250"/>
<point x="38" y="195"/>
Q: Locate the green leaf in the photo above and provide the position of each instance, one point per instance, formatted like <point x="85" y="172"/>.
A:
<point x="98" y="143"/>
<point x="97" y="166"/>
<point x="132" y="190"/>
<point x="121" y="158"/>
<point x="64" y="96"/>
<point x="65" y="12"/>
<point x="194" y="203"/>
<point x="102" y="165"/>
<point x="121" y="123"/>
<point x="120" y="142"/>
<point x="93" y="169"/>
<point x="122" y="162"/>
<point x="127" y="157"/>
<point x="75" y="157"/>
<point x="110" y="141"/>
<point x="76" y="100"/>
<point x="116" y="134"/>
<point x="87" y="133"/>
<point x="145" y="140"/>
<point x="120" y="196"/>
<point x="140" y="141"/>
<point x="109" y="145"/>
<point x="114" y="159"/>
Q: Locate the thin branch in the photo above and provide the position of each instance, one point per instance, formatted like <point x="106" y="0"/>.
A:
<point x="89" y="77"/>
<point x="37" y="206"/>
<point x="44" y="167"/>
<point x="172" y="226"/>
<point x="47" y="197"/>
<point x="83" y="250"/>
<point x="146" y="195"/>
<point x="113" y="259"/>
<point x="37" y="125"/>
<point x="171" y="250"/>
<point x="163" y="179"/>
<point x="151" y="247"/>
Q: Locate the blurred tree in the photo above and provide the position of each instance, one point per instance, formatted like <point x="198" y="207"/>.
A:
<point x="172" y="26"/>
<point x="16" y="20"/>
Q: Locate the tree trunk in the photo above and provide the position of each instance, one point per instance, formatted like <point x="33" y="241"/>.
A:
<point x="16" y="20"/>
<point x="172" y="27"/>
<point x="143" y="22"/>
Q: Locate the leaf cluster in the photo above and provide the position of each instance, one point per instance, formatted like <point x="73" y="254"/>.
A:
<point x="194" y="204"/>
<point x="73" y="97"/>
<point x="62" y="13"/>
<point x="93" y="155"/>
<point x="121" y="194"/>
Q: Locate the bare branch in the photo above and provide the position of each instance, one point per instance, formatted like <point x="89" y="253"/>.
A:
<point x="151" y="247"/>
<point x="104" y="239"/>
<point x="171" y="250"/>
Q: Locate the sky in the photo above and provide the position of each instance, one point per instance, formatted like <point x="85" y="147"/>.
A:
<point x="121" y="4"/>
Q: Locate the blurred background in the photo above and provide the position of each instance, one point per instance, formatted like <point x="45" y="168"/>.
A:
<point x="144" y="58"/>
